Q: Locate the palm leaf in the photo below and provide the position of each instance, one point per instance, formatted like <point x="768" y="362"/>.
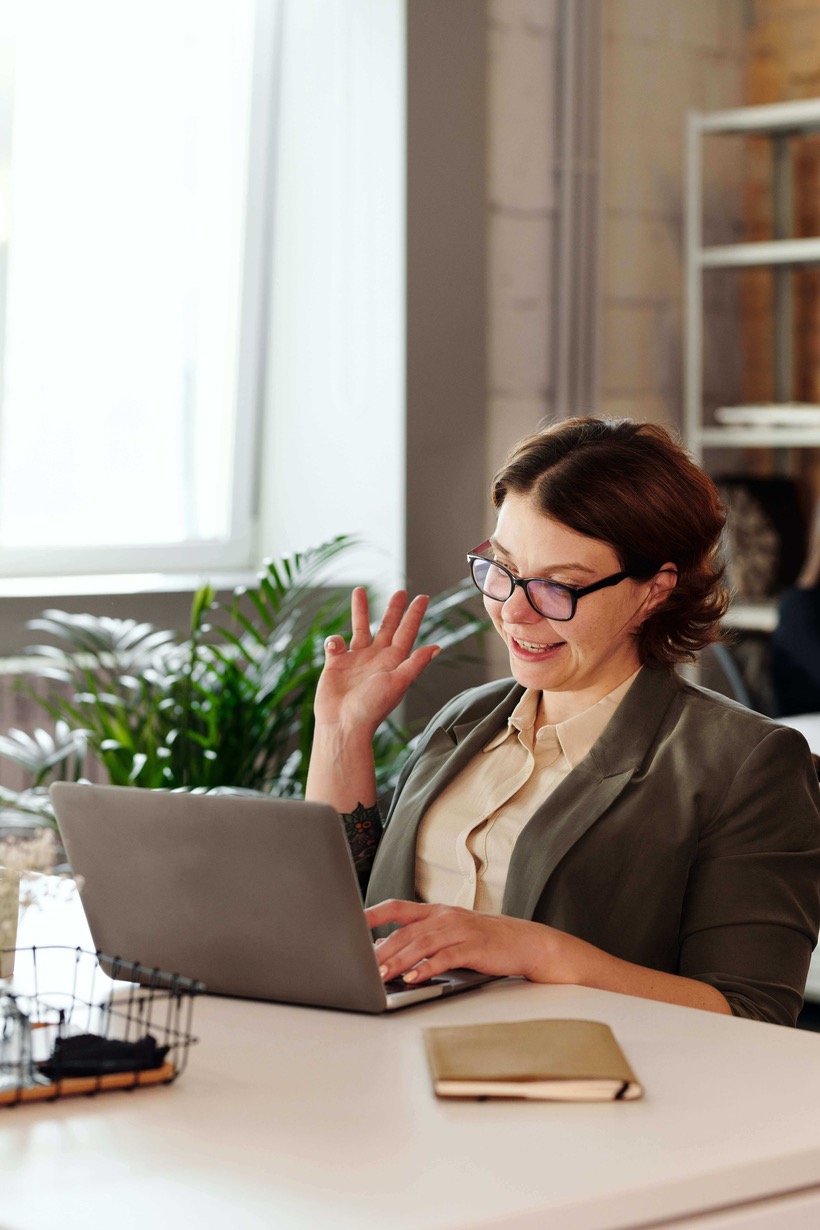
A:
<point x="121" y="644"/>
<point x="229" y="706"/>
<point x="42" y="752"/>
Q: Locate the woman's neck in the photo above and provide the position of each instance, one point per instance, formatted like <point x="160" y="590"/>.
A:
<point x="556" y="707"/>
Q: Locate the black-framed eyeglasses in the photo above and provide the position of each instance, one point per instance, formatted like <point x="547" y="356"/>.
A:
<point x="548" y="598"/>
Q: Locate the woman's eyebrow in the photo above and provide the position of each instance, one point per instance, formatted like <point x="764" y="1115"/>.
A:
<point x="496" y="545"/>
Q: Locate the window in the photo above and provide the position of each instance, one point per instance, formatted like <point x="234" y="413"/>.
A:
<point x="130" y="291"/>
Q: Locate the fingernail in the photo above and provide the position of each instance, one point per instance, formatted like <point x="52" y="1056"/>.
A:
<point x="435" y="654"/>
<point x="410" y="976"/>
<point x="383" y="971"/>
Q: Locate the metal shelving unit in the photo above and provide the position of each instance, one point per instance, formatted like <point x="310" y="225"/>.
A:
<point x="780" y="122"/>
<point x="781" y="425"/>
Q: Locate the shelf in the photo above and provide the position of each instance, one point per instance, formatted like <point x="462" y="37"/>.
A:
<point x="759" y="437"/>
<point x="770" y="414"/>
<point x="784" y="424"/>
<point x="797" y="117"/>
<point x="752" y="616"/>
<point x="775" y="252"/>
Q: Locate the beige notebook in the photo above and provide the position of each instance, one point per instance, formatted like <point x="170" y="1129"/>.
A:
<point x="557" y="1060"/>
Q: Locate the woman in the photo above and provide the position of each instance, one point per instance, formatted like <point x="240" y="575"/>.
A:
<point x="596" y="820"/>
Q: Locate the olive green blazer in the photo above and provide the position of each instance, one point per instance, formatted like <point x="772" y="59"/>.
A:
<point x="687" y="840"/>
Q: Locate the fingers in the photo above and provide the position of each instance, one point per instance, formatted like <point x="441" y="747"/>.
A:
<point x="396" y="911"/>
<point x="434" y="938"/>
<point x="421" y="959"/>
<point x="412" y="667"/>
<point x="408" y="629"/>
<point x="391" y="619"/>
<point x="429" y="942"/>
<point x="400" y="623"/>
<point x="430" y="967"/>
<point x="399" y="628"/>
<point x="360" y="618"/>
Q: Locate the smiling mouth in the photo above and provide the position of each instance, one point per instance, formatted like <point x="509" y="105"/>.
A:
<point x="535" y="647"/>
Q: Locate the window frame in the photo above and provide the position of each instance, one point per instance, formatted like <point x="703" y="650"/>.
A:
<point x="238" y="549"/>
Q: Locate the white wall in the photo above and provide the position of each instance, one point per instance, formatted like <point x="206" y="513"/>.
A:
<point x="333" y="449"/>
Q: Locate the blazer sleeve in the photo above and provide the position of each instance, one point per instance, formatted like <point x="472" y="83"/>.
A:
<point x="752" y="905"/>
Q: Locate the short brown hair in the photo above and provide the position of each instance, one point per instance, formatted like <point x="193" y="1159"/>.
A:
<point x="633" y="486"/>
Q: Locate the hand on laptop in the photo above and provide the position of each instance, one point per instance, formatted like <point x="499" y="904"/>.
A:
<point x="432" y="939"/>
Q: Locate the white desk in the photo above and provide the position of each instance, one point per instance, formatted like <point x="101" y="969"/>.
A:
<point x="301" y="1118"/>
<point x="809" y="726"/>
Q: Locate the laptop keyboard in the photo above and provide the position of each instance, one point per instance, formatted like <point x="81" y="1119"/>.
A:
<point x="398" y="984"/>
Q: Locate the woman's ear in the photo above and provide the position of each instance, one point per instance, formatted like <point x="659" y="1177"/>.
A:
<point x="661" y="585"/>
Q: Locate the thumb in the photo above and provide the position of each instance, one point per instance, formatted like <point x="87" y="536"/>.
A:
<point x="334" y="645"/>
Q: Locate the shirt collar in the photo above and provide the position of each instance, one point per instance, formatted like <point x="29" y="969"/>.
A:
<point x="576" y="735"/>
<point x="522" y="718"/>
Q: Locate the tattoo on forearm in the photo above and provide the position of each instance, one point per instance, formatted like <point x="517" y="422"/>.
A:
<point x="363" y="827"/>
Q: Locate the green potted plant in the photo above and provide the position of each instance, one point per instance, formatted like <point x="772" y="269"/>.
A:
<point x="229" y="706"/>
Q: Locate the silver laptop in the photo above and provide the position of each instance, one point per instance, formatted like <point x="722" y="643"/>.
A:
<point x="255" y="897"/>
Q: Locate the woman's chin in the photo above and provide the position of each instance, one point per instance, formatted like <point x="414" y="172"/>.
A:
<point x="537" y="669"/>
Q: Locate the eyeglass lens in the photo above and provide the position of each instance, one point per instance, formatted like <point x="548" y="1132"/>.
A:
<point x="548" y="597"/>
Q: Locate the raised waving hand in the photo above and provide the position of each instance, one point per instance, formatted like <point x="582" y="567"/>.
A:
<point x="360" y="685"/>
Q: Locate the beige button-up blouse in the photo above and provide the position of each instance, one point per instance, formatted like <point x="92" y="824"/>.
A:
<point x="466" y="837"/>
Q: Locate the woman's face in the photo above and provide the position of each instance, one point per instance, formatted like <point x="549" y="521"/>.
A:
<point x="587" y="656"/>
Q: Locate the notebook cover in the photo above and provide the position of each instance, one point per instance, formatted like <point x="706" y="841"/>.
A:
<point x="527" y="1052"/>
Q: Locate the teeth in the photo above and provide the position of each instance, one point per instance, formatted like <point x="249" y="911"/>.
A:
<point x="529" y="645"/>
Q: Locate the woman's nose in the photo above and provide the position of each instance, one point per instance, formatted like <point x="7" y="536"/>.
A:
<point x="517" y="609"/>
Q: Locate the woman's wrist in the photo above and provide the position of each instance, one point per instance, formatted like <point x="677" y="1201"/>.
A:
<point x="555" y="957"/>
<point x="338" y="739"/>
<point x="343" y="738"/>
<point x="342" y="769"/>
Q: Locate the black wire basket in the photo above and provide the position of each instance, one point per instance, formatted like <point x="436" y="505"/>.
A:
<point x="79" y="1022"/>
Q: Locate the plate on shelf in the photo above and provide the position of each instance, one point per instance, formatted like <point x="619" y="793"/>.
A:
<point x="752" y="616"/>
<point x="772" y="414"/>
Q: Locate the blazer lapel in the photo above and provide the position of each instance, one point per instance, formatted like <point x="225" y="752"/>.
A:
<point x="588" y="791"/>
<point x="444" y="755"/>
